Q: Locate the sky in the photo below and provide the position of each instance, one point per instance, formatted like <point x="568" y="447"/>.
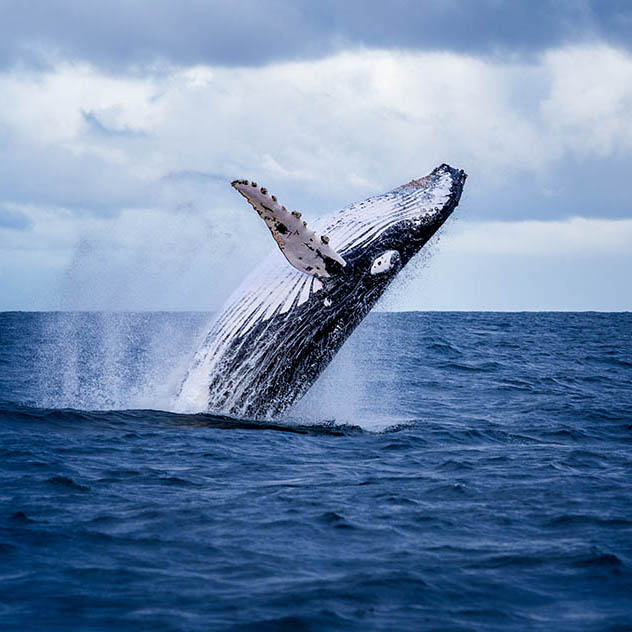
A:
<point x="122" y="124"/>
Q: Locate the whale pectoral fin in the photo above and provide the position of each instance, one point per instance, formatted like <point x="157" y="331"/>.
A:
<point x="301" y="246"/>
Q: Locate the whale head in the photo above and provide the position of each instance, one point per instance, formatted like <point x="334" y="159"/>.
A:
<point x="378" y="236"/>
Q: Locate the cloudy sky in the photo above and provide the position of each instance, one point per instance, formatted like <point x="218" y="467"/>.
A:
<point x="122" y="124"/>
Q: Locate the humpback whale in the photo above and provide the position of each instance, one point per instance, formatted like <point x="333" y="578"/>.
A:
<point x="283" y="325"/>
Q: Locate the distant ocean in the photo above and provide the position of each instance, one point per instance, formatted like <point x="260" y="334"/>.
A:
<point x="449" y="471"/>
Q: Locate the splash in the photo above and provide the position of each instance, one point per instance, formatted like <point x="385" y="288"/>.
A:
<point x="138" y="360"/>
<point x="133" y="361"/>
<point x="115" y="360"/>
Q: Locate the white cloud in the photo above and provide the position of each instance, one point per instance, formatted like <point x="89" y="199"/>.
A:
<point x="577" y="236"/>
<point x="46" y="107"/>
<point x="589" y="105"/>
<point x="133" y="167"/>
<point x="335" y="123"/>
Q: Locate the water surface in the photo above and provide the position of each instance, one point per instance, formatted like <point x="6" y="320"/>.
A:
<point x="458" y="471"/>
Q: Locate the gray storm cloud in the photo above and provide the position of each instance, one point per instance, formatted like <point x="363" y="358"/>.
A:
<point x="130" y="35"/>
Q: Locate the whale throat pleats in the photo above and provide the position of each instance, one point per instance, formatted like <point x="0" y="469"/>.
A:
<point x="302" y="247"/>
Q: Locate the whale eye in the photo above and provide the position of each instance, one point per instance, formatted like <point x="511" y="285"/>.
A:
<point x="385" y="262"/>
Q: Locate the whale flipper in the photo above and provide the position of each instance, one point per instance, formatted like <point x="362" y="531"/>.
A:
<point x="301" y="246"/>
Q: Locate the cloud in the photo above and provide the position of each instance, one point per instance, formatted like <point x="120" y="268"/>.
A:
<point x="50" y="155"/>
<point x="96" y="126"/>
<point x="575" y="236"/>
<point x="551" y="138"/>
<point x="14" y="219"/>
<point x="126" y="35"/>
<point x="125" y="179"/>
<point x="196" y="177"/>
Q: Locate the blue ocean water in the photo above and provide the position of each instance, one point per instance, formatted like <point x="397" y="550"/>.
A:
<point x="450" y="471"/>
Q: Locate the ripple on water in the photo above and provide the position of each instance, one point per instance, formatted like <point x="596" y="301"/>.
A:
<point x="472" y="473"/>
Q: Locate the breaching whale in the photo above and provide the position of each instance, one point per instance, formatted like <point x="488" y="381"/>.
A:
<point x="283" y="325"/>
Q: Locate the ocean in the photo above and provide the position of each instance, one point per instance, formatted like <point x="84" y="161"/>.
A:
<point x="449" y="471"/>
